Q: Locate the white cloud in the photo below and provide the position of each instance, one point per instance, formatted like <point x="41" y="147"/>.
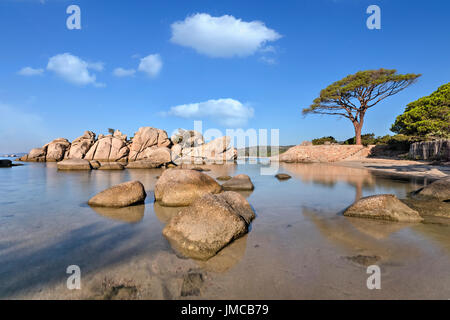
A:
<point x="121" y="72"/>
<point x="74" y="70"/>
<point x="28" y="71"/>
<point x="223" y="36"/>
<point x="97" y="66"/>
<point x="228" y="112"/>
<point x="151" y="65"/>
<point x="268" y="60"/>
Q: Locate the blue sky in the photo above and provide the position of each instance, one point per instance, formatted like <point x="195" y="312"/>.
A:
<point x="249" y="64"/>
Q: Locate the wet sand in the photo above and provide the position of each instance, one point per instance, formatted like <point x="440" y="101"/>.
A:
<point x="299" y="245"/>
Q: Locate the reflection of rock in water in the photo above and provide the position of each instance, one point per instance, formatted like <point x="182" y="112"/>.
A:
<point x="131" y="214"/>
<point x="227" y="258"/>
<point x="164" y="214"/>
<point x="365" y="238"/>
<point x="376" y="229"/>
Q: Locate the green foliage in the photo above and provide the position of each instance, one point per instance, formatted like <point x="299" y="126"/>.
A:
<point x="366" y="139"/>
<point x="111" y="130"/>
<point x="428" y="116"/>
<point x="322" y="140"/>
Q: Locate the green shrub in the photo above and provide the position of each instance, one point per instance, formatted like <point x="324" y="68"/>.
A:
<point x="322" y="140"/>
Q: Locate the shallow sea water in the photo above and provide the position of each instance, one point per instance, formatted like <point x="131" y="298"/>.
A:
<point x="299" y="246"/>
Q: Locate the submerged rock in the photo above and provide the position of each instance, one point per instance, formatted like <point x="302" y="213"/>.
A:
<point x="241" y="182"/>
<point x="74" y="164"/>
<point x="383" y="207"/>
<point x="121" y="195"/>
<point x="209" y="224"/>
<point x="439" y="189"/>
<point x="180" y="187"/>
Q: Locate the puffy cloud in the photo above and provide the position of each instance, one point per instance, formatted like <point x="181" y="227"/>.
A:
<point x="223" y="36"/>
<point x="151" y="65"/>
<point x="74" y="70"/>
<point x="228" y="112"/>
<point x="121" y="72"/>
<point x="28" y="71"/>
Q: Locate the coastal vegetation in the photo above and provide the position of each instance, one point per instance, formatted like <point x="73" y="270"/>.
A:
<point x="427" y="117"/>
<point x="352" y="96"/>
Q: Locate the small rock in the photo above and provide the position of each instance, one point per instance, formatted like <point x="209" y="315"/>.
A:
<point x="241" y="182"/>
<point x="5" y="163"/>
<point x="439" y="189"/>
<point x="74" y="164"/>
<point x="121" y="195"/>
<point x="180" y="187"/>
<point x="111" y="166"/>
<point x="143" y="164"/>
<point x="283" y="176"/>
<point x="95" y="164"/>
<point x="383" y="207"/>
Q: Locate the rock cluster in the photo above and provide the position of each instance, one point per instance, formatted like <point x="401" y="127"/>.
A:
<point x="149" y="148"/>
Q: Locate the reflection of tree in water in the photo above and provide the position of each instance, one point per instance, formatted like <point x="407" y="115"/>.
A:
<point x="330" y="175"/>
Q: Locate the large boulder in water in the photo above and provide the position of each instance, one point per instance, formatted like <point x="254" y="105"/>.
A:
<point x="121" y="195"/>
<point x="146" y="138"/>
<point x="56" y="150"/>
<point x="439" y="189"/>
<point x="180" y="187"/>
<point x="143" y="164"/>
<point x="209" y="224"/>
<point x="108" y="148"/>
<point x="383" y="207"/>
<point x="74" y="164"/>
<point x="241" y="182"/>
<point x="159" y="155"/>
<point x="81" y="145"/>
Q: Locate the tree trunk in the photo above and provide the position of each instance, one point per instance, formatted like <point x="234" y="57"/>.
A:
<point x="358" y="127"/>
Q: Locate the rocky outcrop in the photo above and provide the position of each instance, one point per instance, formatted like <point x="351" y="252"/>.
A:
<point x="56" y="149"/>
<point x="241" y="182"/>
<point x="74" y="164"/>
<point x="383" y="207"/>
<point x="439" y="189"/>
<point x="430" y="150"/>
<point x="108" y="148"/>
<point x="149" y="144"/>
<point x="180" y="187"/>
<point x="81" y="145"/>
<point x="187" y="138"/>
<point x="209" y="224"/>
<point x="216" y="151"/>
<point x="146" y="139"/>
<point x="323" y="153"/>
<point x="121" y="195"/>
